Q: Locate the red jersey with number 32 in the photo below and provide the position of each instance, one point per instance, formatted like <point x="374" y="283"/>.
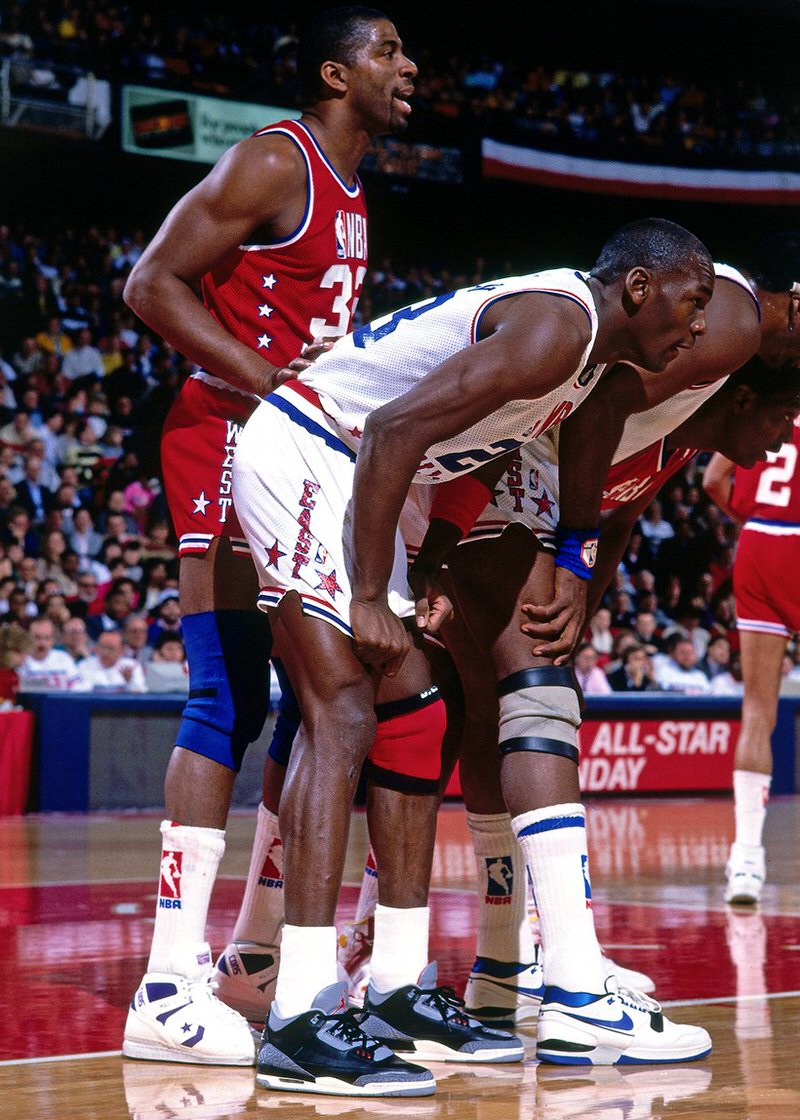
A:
<point x="275" y="296"/>
<point x="767" y="496"/>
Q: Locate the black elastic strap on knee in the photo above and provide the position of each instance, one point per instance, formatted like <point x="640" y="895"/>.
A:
<point x="539" y="743"/>
<point x="561" y="676"/>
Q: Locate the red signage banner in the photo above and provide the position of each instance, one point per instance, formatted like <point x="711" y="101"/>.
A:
<point x="657" y="755"/>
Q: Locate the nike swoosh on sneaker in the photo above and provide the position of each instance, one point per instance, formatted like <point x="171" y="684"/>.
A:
<point x="624" y="1023"/>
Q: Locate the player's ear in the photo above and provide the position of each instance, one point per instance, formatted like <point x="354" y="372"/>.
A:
<point x="334" y="76"/>
<point x="638" y="284"/>
<point x="743" y="398"/>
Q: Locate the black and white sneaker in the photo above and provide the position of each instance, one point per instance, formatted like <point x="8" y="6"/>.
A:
<point x="325" y="1050"/>
<point x="429" y="1022"/>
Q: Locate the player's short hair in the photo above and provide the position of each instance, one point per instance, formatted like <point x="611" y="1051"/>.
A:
<point x="764" y="381"/>
<point x="774" y="263"/>
<point x="336" y="34"/>
<point x="652" y="243"/>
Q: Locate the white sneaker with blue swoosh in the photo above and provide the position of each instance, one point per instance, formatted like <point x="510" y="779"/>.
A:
<point x="619" y="1027"/>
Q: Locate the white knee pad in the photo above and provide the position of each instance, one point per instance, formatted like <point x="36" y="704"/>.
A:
<point x="539" y="711"/>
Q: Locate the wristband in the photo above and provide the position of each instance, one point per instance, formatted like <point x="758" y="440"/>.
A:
<point x="461" y="502"/>
<point x="576" y="550"/>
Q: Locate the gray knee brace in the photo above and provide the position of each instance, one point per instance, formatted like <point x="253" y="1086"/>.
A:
<point x="540" y="711"/>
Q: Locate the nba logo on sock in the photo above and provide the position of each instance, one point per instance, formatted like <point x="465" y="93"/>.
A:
<point x="587" y="886"/>
<point x="272" y="869"/>
<point x="499" y="880"/>
<point x="169" y="887"/>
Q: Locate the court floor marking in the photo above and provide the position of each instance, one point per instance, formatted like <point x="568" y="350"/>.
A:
<point x="61" y="1058"/>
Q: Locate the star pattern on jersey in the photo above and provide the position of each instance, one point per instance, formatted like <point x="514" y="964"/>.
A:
<point x="273" y="555"/>
<point x="264" y="341"/>
<point x="543" y="503"/>
<point x="497" y="492"/>
<point x="201" y="503"/>
<point x="269" y="281"/>
<point x="264" y="310"/>
<point x="328" y="583"/>
<point x="356" y="432"/>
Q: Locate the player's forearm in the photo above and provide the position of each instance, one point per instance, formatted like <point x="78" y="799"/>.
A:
<point x="170" y="307"/>
<point x="384" y="470"/>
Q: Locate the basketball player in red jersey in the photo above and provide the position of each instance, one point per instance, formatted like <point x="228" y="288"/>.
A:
<point x="275" y="239"/>
<point x="766" y="500"/>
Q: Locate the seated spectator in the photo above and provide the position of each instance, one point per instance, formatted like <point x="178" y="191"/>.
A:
<point x="655" y="529"/>
<point x="48" y="565"/>
<point x="167" y="617"/>
<point x="19" y="531"/>
<point x="646" y="630"/>
<point x="32" y="495"/>
<point x="116" y="609"/>
<point x="636" y="673"/>
<point x="729" y="682"/>
<point x="717" y="658"/>
<point x="155" y="580"/>
<point x="678" y="670"/>
<point x="84" y="538"/>
<point x="134" y="635"/>
<point x="18" y="432"/>
<point x="20" y="609"/>
<point x="622" y="639"/>
<point x="84" y="455"/>
<point x="591" y="677"/>
<point x="75" y="640"/>
<point x="14" y="645"/>
<point x="108" y="669"/>
<point x="83" y="364"/>
<point x="157" y="543"/>
<point x="600" y="636"/>
<point x="167" y="670"/>
<point x="46" y="668"/>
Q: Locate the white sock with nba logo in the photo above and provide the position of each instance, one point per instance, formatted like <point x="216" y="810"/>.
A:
<point x="261" y="914"/>
<point x="504" y="932"/>
<point x="190" y="858"/>
<point x="554" y="842"/>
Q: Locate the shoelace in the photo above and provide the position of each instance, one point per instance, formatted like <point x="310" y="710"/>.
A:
<point x="638" y="1000"/>
<point x="347" y="1026"/>
<point x="450" y="1006"/>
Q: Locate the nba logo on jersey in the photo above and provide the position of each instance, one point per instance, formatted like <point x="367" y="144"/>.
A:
<point x="169" y="887"/>
<point x="340" y="232"/>
<point x="499" y="880"/>
<point x="272" y="869"/>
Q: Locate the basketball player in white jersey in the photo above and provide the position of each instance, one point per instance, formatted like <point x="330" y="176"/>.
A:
<point x="434" y="390"/>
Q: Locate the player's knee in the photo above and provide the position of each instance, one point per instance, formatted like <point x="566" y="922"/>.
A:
<point x="539" y="711"/>
<point x="228" y="656"/>
<point x="407" y="752"/>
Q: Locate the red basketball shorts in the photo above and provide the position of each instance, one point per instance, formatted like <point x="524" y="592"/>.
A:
<point x="197" y="447"/>
<point x="765" y="584"/>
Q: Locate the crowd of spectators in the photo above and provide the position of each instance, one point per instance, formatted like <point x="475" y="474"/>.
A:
<point x="753" y="116"/>
<point x="86" y="545"/>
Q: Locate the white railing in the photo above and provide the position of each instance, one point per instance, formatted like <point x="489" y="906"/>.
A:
<point x="49" y="97"/>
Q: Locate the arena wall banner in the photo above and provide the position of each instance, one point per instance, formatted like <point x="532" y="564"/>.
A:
<point x="159" y="122"/>
<point x="647" y="755"/>
<point x="600" y="176"/>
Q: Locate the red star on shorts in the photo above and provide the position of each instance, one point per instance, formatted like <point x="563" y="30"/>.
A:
<point x="328" y="583"/>
<point x="273" y="555"/>
<point x="543" y="503"/>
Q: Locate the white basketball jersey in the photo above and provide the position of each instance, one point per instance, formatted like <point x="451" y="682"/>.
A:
<point x="385" y="359"/>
